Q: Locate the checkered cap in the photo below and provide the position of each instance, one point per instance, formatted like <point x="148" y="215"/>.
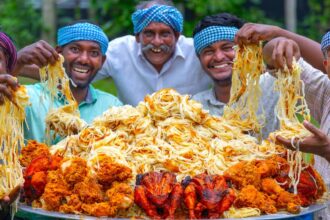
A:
<point x="83" y="31"/>
<point x="10" y="51"/>
<point x="212" y="34"/>
<point x="325" y="43"/>
<point x="168" y="15"/>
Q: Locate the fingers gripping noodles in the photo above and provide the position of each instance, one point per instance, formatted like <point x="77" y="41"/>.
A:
<point x="245" y="90"/>
<point x="291" y="102"/>
<point x="12" y="116"/>
<point x="66" y="119"/>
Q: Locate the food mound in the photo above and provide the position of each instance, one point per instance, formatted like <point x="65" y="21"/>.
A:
<point x="167" y="158"/>
<point x="70" y="185"/>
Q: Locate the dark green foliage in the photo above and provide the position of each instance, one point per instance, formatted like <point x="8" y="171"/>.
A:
<point x="20" y="20"/>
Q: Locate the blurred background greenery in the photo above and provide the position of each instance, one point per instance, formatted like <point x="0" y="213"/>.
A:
<point x="30" y="20"/>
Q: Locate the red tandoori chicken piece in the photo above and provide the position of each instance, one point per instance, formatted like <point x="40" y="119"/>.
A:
<point x="208" y="196"/>
<point x="158" y="194"/>
<point x="310" y="187"/>
<point x="35" y="175"/>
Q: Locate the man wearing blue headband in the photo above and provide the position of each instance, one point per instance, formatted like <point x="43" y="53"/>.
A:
<point x="325" y="47"/>
<point x="317" y="91"/>
<point x="83" y="46"/>
<point x="157" y="57"/>
<point x="214" y="41"/>
<point x="214" y="38"/>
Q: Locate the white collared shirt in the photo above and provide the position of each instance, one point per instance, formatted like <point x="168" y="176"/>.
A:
<point x="135" y="77"/>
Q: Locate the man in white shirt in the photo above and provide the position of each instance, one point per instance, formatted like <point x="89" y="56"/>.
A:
<point x="157" y="57"/>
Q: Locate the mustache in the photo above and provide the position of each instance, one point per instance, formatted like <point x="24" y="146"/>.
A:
<point x="163" y="47"/>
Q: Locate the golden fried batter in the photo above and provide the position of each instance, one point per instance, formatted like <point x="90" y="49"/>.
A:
<point x="120" y="195"/>
<point x="89" y="191"/>
<point x="73" y="205"/>
<point x="243" y="174"/>
<point x="249" y="196"/>
<point x="32" y="150"/>
<point x="283" y="199"/>
<point x="99" y="209"/>
<point x="74" y="170"/>
<point x="110" y="171"/>
<point x="55" y="191"/>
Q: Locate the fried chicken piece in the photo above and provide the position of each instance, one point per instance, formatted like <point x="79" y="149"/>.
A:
<point x="55" y="191"/>
<point x="74" y="170"/>
<point x="109" y="172"/>
<point x="269" y="167"/>
<point x="73" y="205"/>
<point x="89" y="191"/>
<point x="243" y="174"/>
<point x="120" y="195"/>
<point x="99" y="209"/>
<point x="32" y="150"/>
<point x="249" y="196"/>
<point x="283" y="199"/>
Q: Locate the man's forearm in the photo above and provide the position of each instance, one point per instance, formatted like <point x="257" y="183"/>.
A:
<point x="30" y="71"/>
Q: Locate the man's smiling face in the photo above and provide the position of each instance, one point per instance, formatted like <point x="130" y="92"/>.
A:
<point x="158" y="42"/>
<point x="217" y="60"/>
<point x="82" y="60"/>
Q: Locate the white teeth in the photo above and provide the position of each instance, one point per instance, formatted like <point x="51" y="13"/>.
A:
<point x="80" y="70"/>
<point x="221" y="66"/>
<point x="156" y="50"/>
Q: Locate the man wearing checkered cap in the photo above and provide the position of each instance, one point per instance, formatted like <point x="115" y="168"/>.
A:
<point x="317" y="95"/>
<point x="214" y="41"/>
<point x="83" y="46"/>
<point x="157" y="57"/>
<point x="214" y="38"/>
<point x="325" y="47"/>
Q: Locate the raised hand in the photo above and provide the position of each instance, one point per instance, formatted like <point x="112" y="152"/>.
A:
<point x="39" y="53"/>
<point x="280" y="51"/>
<point x="253" y="33"/>
<point x="8" y="84"/>
<point x="318" y="143"/>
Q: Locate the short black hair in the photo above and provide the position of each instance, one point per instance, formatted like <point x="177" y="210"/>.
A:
<point x="222" y="19"/>
<point x="146" y="4"/>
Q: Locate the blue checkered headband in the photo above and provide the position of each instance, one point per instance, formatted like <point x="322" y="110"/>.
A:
<point x="168" y="15"/>
<point x="82" y="31"/>
<point x="325" y="43"/>
<point x="212" y="34"/>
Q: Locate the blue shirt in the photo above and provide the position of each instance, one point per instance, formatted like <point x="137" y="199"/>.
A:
<point x="96" y="102"/>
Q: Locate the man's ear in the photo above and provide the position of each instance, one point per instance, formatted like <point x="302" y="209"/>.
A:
<point x="104" y="57"/>
<point x="137" y="37"/>
<point x="177" y="35"/>
<point x="59" y="49"/>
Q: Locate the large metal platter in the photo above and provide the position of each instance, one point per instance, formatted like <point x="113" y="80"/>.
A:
<point x="58" y="215"/>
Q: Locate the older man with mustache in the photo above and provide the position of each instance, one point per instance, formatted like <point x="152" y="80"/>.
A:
<point x="157" y="57"/>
